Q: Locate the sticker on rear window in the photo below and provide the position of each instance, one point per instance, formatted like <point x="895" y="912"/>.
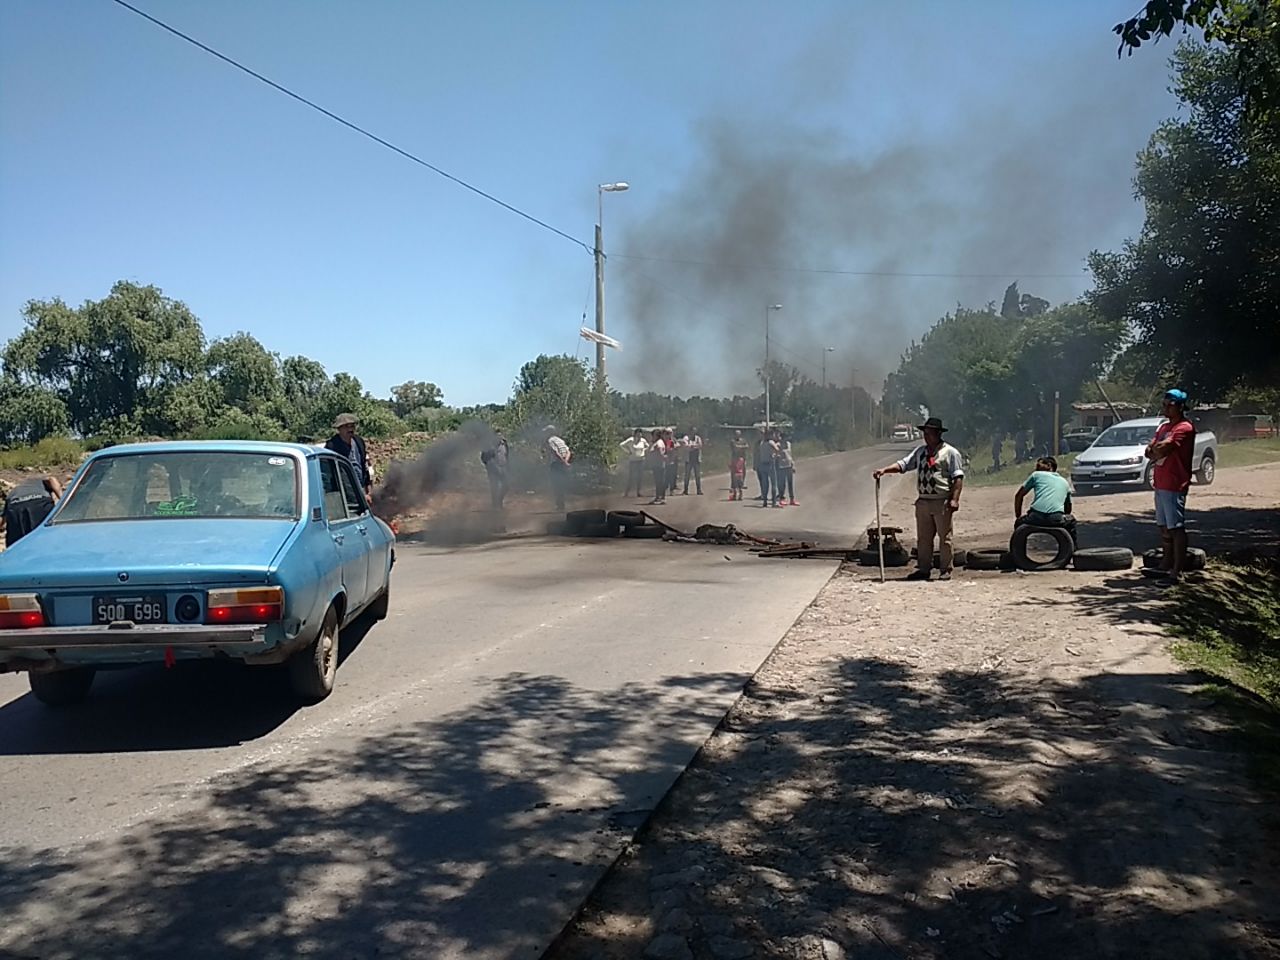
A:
<point x="182" y="507"/>
<point x="278" y="461"/>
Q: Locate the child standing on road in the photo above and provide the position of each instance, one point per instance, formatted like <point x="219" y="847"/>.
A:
<point x="738" y="449"/>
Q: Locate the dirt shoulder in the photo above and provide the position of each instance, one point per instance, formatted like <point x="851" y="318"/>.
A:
<point x="1006" y="765"/>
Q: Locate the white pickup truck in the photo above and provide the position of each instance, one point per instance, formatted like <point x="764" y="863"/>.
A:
<point x="1117" y="459"/>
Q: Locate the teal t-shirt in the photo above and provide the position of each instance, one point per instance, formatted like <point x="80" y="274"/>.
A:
<point x="1051" y="490"/>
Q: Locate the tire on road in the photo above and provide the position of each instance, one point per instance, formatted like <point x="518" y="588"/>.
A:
<point x="61" y="688"/>
<point x="647" y="532"/>
<point x="598" y="530"/>
<point x="1103" y="558"/>
<point x="987" y="559"/>
<point x="626" y="518"/>
<point x="1196" y="558"/>
<point x="1059" y="561"/>
<point x="1207" y="471"/>
<point x="892" y="558"/>
<point x="313" y="669"/>
<point x="575" y="520"/>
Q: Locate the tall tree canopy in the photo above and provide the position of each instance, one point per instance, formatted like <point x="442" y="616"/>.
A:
<point x="1200" y="285"/>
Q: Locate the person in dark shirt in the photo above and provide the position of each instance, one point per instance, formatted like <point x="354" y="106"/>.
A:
<point x="27" y="506"/>
<point x="495" y="465"/>
<point x="345" y="443"/>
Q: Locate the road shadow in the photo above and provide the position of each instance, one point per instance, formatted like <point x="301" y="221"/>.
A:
<point x="194" y="705"/>
<point x="465" y="835"/>
<point x="898" y="812"/>
<point x="1217" y="530"/>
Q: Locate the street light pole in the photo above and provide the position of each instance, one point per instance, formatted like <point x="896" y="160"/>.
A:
<point x="768" y="411"/>
<point x="599" y="254"/>
<point x="824" y="365"/>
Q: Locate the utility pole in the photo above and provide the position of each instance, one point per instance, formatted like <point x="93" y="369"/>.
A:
<point x="601" y="190"/>
<point x="768" y="410"/>
<point x="853" y="399"/>
<point x="824" y="365"/>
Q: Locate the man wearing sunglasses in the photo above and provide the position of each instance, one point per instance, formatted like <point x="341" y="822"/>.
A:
<point x="1172" y="450"/>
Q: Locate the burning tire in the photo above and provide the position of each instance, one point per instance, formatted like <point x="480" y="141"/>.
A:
<point x="576" y="520"/>
<point x="1018" y="548"/>
<point x="1103" y="558"/>
<point x="624" y="520"/>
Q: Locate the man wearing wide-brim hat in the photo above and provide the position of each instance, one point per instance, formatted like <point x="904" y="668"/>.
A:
<point x="346" y="443"/>
<point x="939" y="479"/>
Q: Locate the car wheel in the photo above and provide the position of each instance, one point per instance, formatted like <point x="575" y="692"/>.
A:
<point x="1204" y="476"/>
<point x="1103" y="558"/>
<point x="61" y="688"/>
<point x="1149" y="477"/>
<point x="381" y="606"/>
<point x="312" y="670"/>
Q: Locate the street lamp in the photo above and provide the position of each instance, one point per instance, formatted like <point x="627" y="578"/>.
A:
<point x="824" y="365"/>
<point x="768" y="412"/>
<point x="601" y="190"/>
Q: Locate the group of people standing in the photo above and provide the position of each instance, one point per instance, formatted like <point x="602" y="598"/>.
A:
<point x="661" y="455"/>
<point x="774" y="465"/>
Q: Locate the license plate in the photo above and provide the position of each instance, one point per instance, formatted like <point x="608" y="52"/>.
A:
<point x="1098" y="474"/>
<point x="129" y="609"/>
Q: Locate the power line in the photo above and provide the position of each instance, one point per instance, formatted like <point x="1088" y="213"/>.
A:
<point x="849" y="273"/>
<point x="349" y="125"/>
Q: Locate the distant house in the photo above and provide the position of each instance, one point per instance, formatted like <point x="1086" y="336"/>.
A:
<point x="1099" y="415"/>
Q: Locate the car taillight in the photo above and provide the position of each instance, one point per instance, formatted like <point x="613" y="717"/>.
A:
<point x="255" y="605"/>
<point x="18" y="611"/>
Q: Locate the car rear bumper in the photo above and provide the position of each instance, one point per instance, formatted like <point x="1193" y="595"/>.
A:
<point x="43" y="648"/>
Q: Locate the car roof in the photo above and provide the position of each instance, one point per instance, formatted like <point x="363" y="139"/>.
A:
<point x="211" y="446"/>
<point x="1140" y="422"/>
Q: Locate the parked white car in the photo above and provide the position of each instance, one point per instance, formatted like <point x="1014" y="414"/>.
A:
<point x="1116" y="460"/>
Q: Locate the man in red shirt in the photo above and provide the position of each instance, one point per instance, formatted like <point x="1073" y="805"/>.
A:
<point x="1172" y="450"/>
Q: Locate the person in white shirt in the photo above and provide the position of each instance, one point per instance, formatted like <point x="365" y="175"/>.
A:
<point x="558" y="458"/>
<point x="693" y="459"/>
<point x="658" y="463"/>
<point x="636" y="447"/>
<point x="939" y="480"/>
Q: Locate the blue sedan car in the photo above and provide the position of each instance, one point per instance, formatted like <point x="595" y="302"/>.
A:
<point x="260" y="552"/>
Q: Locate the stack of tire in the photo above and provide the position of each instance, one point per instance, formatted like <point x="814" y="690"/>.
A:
<point x="600" y="524"/>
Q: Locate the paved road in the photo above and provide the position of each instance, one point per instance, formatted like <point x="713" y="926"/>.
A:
<point x="488" y="750"/>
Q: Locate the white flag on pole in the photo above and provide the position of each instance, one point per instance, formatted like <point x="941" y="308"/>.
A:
<point x="589" y="334"/>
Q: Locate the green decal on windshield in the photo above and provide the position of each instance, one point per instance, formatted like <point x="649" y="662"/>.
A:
<point x="182" y="507"/>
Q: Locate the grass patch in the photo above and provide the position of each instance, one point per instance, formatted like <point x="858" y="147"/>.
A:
<point x="49" y="452"/>
<point x="980" y="474"/>
<point x="1228" y="627"/>
<point x="1246" y="453"/>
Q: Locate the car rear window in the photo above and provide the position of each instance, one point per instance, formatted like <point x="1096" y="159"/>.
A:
<point x="162" y="486"/>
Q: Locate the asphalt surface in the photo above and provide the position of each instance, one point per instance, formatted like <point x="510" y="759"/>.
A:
<point x="487" y="752"/>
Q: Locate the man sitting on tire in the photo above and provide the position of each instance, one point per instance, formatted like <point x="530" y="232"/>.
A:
<point x="1051" y="499"/>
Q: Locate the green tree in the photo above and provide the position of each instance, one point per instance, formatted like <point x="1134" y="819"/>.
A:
<point x="1200" y="285"/>
<point x="246" y="374"/>
<point x="28" y="413"/>
<point x="414" y="395"/>
<point x="560" y="390"/>
<point x="1248" y="30"/>
<point x="115" y="360"/>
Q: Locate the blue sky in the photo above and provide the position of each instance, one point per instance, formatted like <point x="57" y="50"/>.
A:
<point x="987" y="138"/>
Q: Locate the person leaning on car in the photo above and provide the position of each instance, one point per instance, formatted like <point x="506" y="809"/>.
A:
<point x="27" y="505"/>
<point x="1051" y="499"/>
<point x="345" y="443"/>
